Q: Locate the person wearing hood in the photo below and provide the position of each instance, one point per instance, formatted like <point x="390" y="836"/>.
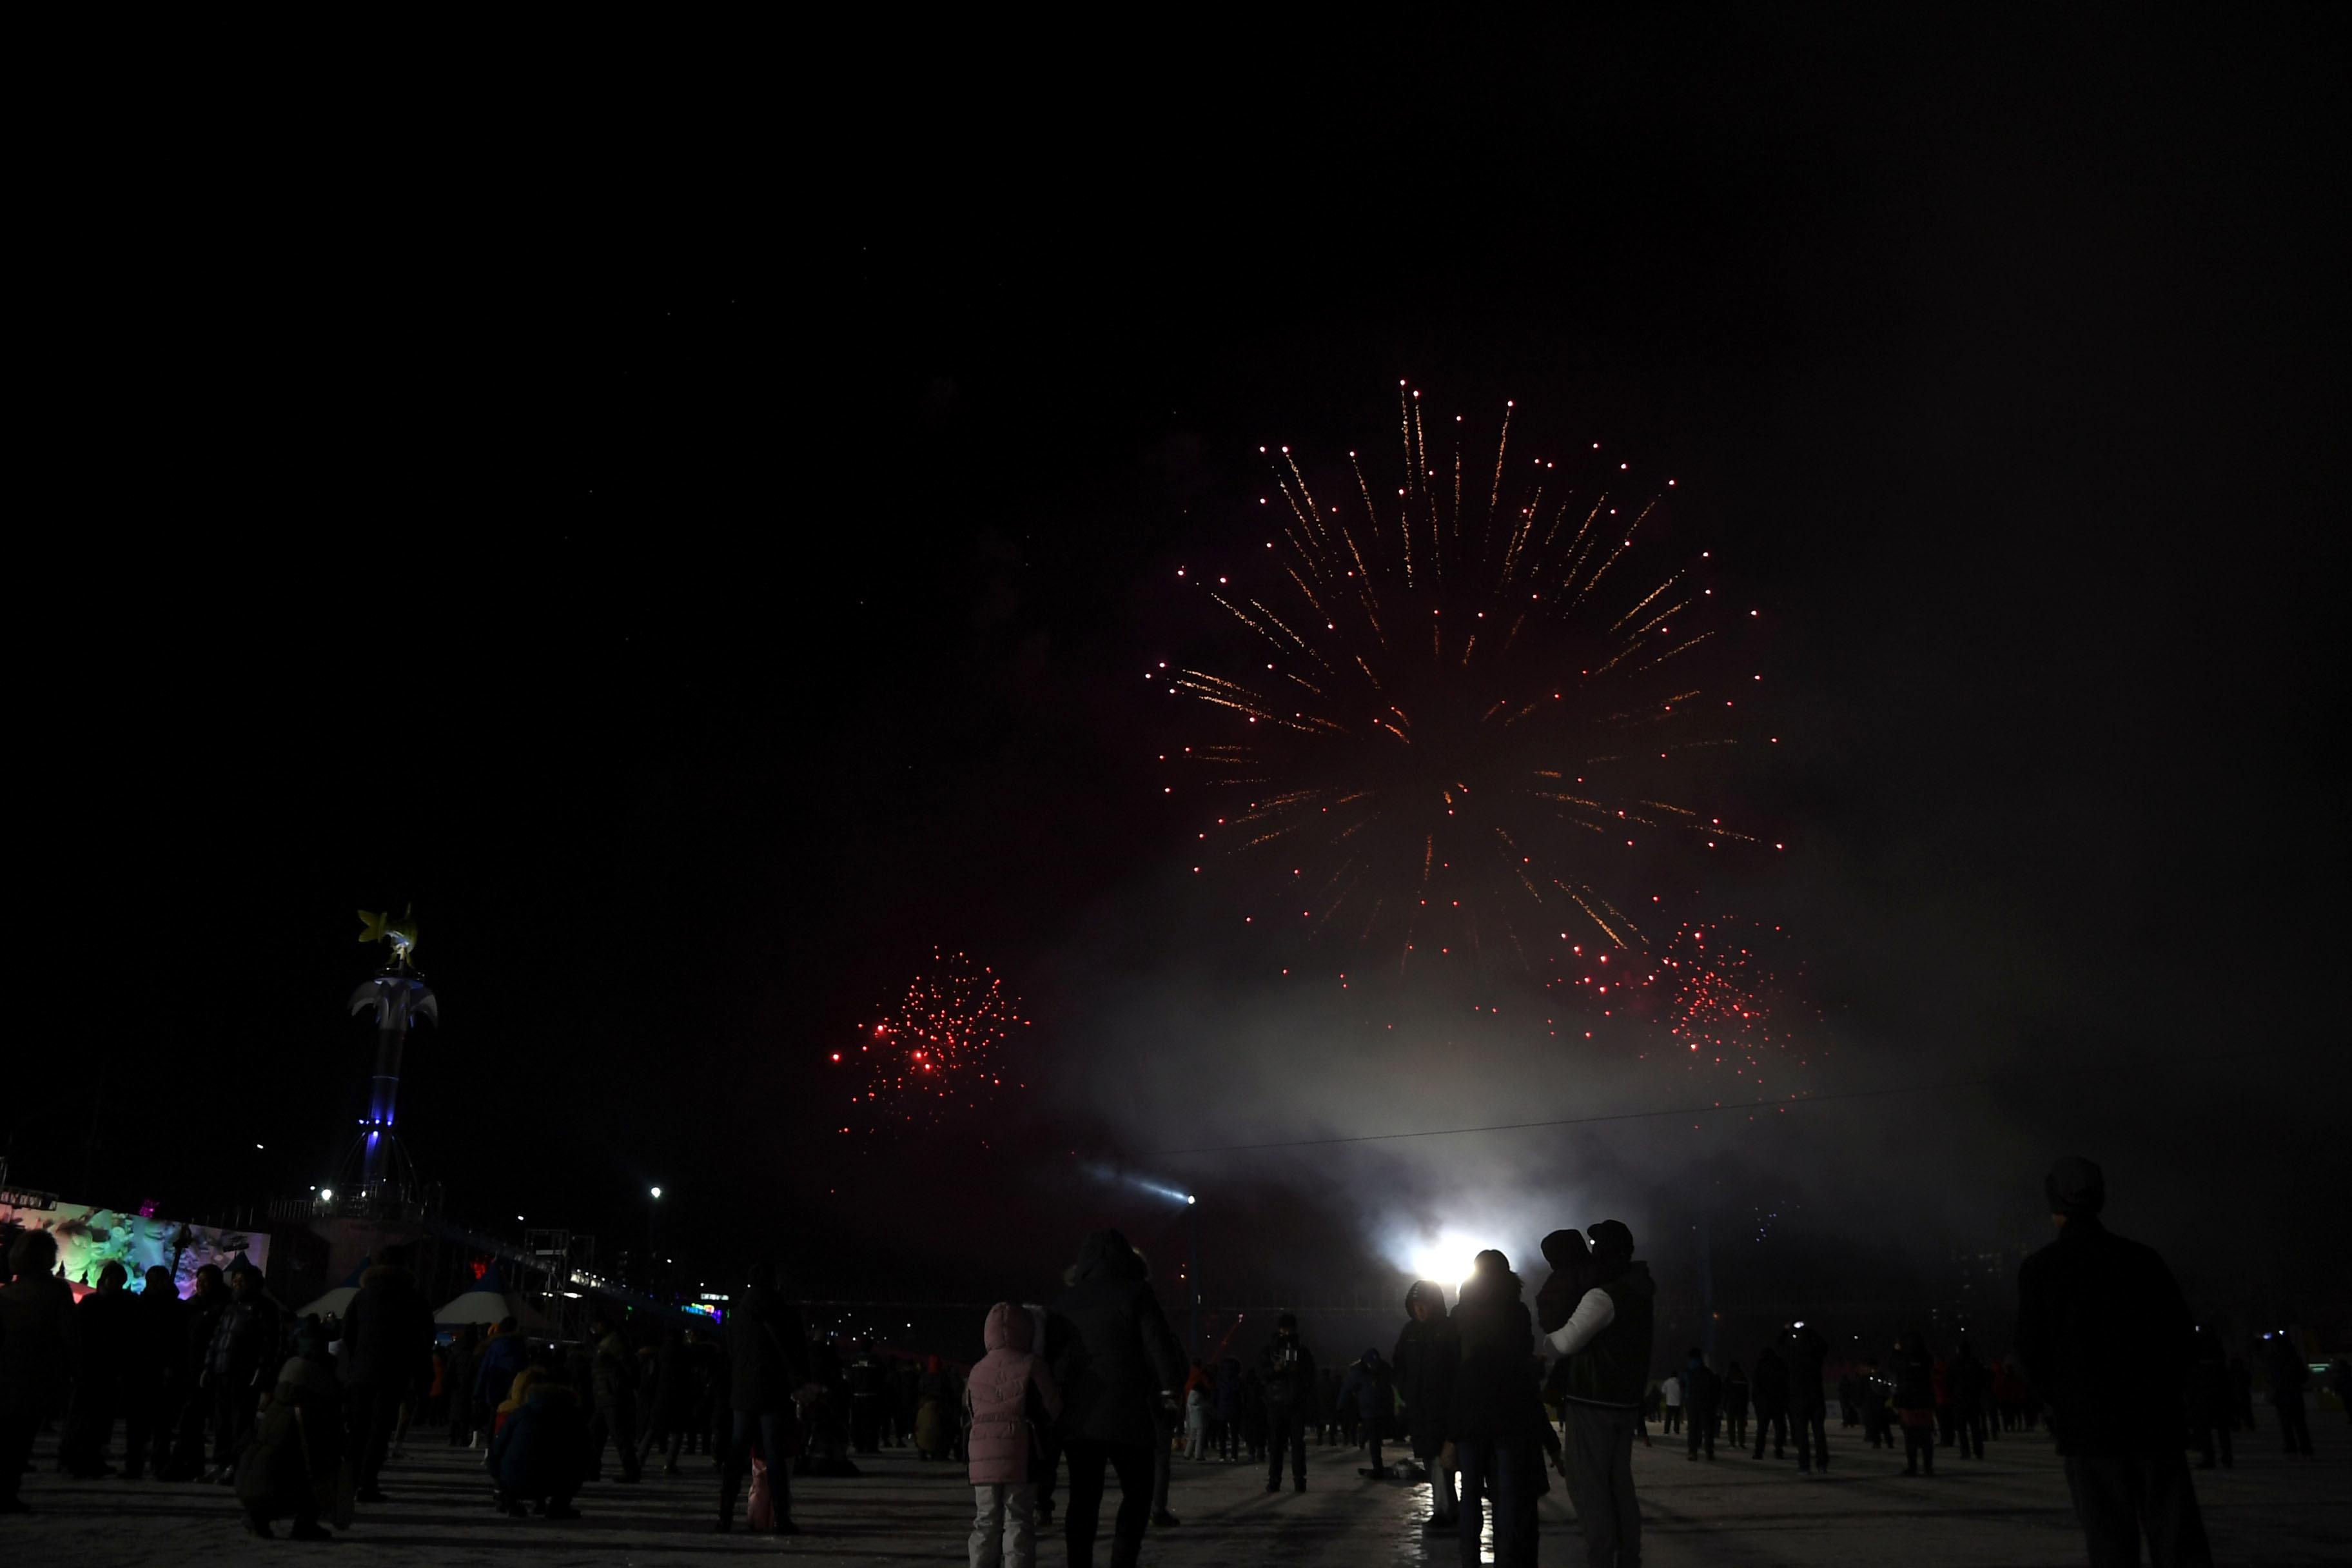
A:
<point x="1112" y="1355"/>
<point x="2105" y="1338"/>
<point x="1371" y="1384"/>
<point x="1493" y="1415"/>
<point x="387" y="1352"/>
<point x="768" y="1358"/>
<point x="540" y="1454"/>
<point x="1428" y="1354"/>
<point x="1606" y="1343"/>
<point x="200" y="1320"/>
<point x="495" y="1370"/>
<point x="293" y="1468"/>
<point x="1009" y="1399"/>
<point x="1288" y="1381"/>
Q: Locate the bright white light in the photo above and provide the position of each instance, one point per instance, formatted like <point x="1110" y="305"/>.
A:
<point x="1189" y="1198"/>
<point x="657" y="1192"/>
<point x="328" y="1194"/>
<point x="1448" y="1259"/>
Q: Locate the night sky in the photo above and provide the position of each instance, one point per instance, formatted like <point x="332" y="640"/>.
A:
<point x="703" y="563"/>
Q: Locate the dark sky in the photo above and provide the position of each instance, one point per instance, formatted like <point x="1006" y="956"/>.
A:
<point x="695" y="556"/>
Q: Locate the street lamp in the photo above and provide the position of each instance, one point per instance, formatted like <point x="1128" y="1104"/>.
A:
<point x="653" y="1217"/>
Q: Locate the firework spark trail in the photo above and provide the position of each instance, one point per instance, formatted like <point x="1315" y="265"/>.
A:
<point x="942" y="1050"/>
<point x="1721" y="993"/>
<point x="1506" y="717"/>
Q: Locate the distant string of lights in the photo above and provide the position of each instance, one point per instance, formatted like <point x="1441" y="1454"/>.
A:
<point x="2138" y="1065"/>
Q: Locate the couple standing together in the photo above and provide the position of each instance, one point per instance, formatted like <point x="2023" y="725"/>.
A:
<point x="1595" y="1314"/>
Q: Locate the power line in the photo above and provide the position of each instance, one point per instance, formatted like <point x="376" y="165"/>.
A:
<point x="2140" y="1066"/>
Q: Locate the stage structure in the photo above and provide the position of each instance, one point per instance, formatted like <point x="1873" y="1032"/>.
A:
<point x="378" y="1172"/>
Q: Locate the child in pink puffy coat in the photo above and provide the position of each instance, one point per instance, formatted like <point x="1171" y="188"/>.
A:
<point x="1008" y="1396"/>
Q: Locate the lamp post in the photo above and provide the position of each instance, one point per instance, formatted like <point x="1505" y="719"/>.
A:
<point x="1192" y="1272"/>
<point x="653" y="1244"/>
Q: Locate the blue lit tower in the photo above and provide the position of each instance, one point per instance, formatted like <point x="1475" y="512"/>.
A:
<point x="399" y="997"/>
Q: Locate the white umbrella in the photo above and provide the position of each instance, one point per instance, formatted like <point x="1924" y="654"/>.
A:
<point x="332" y="1304"/>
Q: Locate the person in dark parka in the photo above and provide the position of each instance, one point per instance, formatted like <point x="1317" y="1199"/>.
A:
<point x="500" y="1362"/>
<point x="767" y="1354"/>
<point x="292" y="1467"/>
<point x="1372" y="1383"/>
<point x="106" y="1330"/>
<point x="36" y="1343"/>
<point x="2289" y="1377"/>
<point x="1112" y="1355"/>
<point x="457" y="1379"/>
<point x="1607" y="1343"/>
<point x="387" y="1355"/>
<point x="1428" y="1354"/>
<point x="1735" y="1406"/>
<point x="615" y="1419"/>
<point x="200" y="1322"/>
<point x="244" y="1357"/>
<point x="1491" y="1420"/>
<point x="1769" y="1386"/>
<point x="2209" y="1398"/>
<point x="2105" y="1338"/>
<point x="1806" y="1351"/>
<point x="154" y="1385"/>
<point x="1915" y="1404"/>
<point x="1702" y="1399"/>
<point x="540" y="1455"/>
<point x="1965" y="1381"/>
<point x="1288" y="1389"/>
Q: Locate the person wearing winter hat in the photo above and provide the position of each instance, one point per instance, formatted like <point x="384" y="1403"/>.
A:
<point x="2107" y="1340"/>
<point x="1606" y="1344"/>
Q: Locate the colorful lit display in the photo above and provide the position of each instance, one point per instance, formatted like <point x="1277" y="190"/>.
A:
<point x="89" y="1240"/>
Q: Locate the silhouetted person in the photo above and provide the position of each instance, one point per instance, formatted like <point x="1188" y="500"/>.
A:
<point x="869" y="1388"/>
<point x="1735" y="1406"/>
<point x="540" y="1453"/>
<point x="1428" y="1354"/>
<point x="1770" y="1388"/>
<point x="202" y="1319"/>
<point x="767" y="1350"/>
<point x="1875" y="1412"/>
<point x="1370" y="1383"/>
<point x="387" y="1356"/>
<point x="615" y="1416"/>
<point x="1807" y="1401"/>
<point x="1112" y="1354"/>
<point x="242" y="1361"/>
<point x="2209" y="1399"/>
<point x="2289" y="1377"/>
<point x="458" y="1381"/>
<point x="1964" y="1378"/>
<point x="289" y="1469"/>
<point x="1606" y="1343"/>
<point x="1915" y="1404"/>
<point x="2105" y="1340"/>
<point x="154" y="1383"/>
<point x="501" y="1361"/>
<point x="676" y="1388"/>
<point x="36" y="1343"/>
<point x="1286" y="1376"/>
<point x="105" y="1327"/>
<point x="1491" y="1427"/>
<point x="1702" y="1398"/>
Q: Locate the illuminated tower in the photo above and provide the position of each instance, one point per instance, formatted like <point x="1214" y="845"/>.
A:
<point x="399" y="996"/>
